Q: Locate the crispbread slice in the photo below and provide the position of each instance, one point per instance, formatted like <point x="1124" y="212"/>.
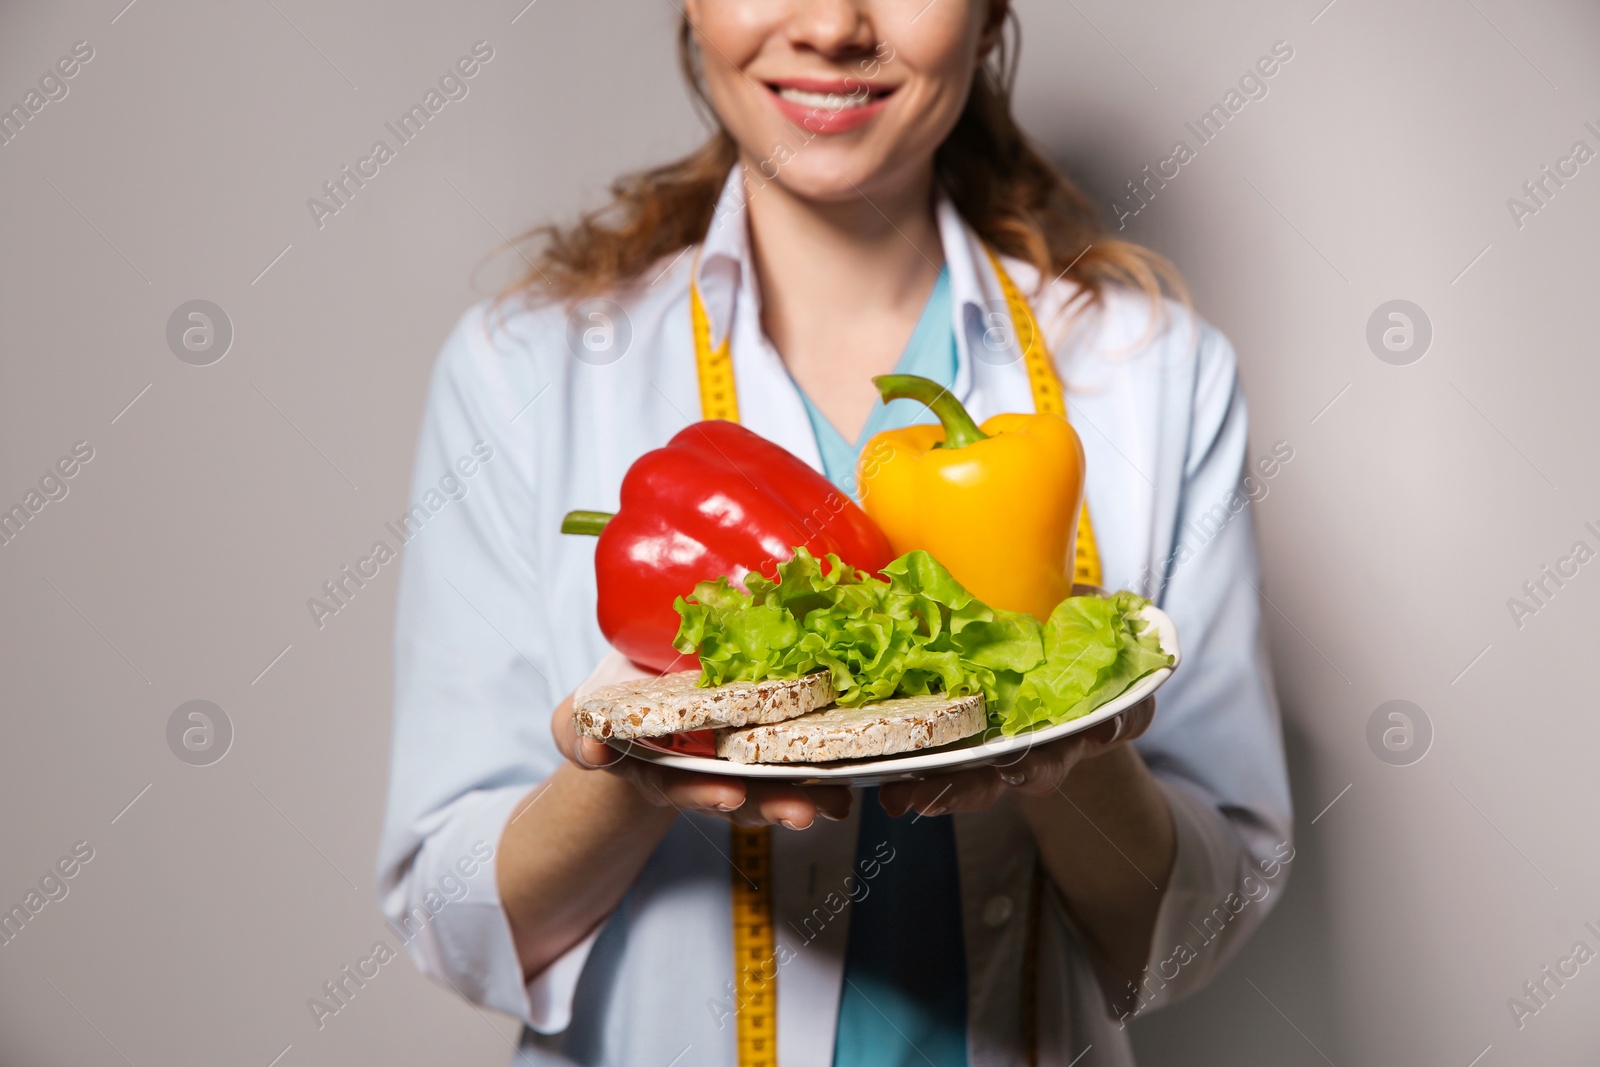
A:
<point x="904" y="724"/>
<point x="672" y="703"/>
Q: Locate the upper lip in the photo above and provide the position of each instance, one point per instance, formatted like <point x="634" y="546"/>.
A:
<point x="841" y="86"/>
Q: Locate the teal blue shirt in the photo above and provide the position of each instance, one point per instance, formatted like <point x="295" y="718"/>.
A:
<point x="931" y="353"/>
<point x="904" y="999"/>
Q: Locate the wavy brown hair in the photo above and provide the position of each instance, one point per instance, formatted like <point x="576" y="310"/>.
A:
<point x="1005" y="189"/>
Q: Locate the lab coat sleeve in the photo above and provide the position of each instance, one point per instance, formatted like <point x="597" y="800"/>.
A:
<point x="1216" y="746"/>
<point x="473" y="692"/>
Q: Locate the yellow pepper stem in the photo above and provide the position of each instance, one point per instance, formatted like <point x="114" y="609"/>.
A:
<point x="959" y="429"/>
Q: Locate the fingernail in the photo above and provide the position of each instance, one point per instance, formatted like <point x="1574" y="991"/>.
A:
<point x="787" y="825"/>
<point x="729" y="807"/>
<point x="937" y="809"/>
<point x="830" y="816"/>
<point x="1013" y="778"/>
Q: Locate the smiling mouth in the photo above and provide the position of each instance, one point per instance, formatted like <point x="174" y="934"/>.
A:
<point x="861" y="96"/>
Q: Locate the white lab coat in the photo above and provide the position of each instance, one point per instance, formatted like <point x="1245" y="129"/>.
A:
<point x="496" y="625"/>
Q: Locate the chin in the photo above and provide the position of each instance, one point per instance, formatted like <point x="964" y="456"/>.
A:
<point x="828" y="175"/>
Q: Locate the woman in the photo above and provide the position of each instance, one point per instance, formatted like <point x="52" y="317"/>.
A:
<point x="838" y="225"/>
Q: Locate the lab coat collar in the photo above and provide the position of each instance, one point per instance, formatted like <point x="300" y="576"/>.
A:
<point x="724" y="262"/>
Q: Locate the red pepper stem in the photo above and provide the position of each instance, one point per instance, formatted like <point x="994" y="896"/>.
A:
<point x="959" y="429"/>
<point x="586" y="522"/>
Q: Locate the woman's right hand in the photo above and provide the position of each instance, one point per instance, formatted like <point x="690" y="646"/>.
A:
<point x="743" y="802"/>
<point x="579" y="838"/>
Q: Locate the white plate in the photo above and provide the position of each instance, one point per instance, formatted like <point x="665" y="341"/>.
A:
<point x="990" y="747"/>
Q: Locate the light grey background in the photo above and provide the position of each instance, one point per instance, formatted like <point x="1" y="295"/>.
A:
<point x="1418" y="500"/>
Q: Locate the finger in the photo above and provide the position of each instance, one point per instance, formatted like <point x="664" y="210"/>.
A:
<point x="1127" y="726"/>
<point x="587" y="752"/>
<point x="972" y="790"/>
<point x="592" y="754"/>
<point x="796" y="807"/>
<point x="709" y="793"/>
<point x="1043" y="770"/>
<point x="895" y="797"/>
<point x="1139" y="717"/>
<point x="792" y="813"/>
<point x="1104" y="735"/>
<point x="561" y="727"/>
<point x="833" y="802"/>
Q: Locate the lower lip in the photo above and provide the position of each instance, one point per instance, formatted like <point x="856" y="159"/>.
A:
<point x="824" y="120"/>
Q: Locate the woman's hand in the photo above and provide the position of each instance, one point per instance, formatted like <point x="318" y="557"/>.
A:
<point x="1038" y="772"/>
<point x="741" y="802"/>
<point x="579" y="838"/>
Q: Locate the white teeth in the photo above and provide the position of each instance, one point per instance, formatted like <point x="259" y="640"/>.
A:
<point x="828" y="101"/>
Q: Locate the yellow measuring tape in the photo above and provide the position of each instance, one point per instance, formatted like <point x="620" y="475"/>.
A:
<point x="755" y="964"/>
<point x="1047" y="400"/>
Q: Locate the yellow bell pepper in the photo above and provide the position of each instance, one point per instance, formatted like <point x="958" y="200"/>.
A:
<point x="997" y="505"/>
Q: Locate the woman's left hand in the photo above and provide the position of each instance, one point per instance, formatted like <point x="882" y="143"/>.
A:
<point x="1038" y="772"/>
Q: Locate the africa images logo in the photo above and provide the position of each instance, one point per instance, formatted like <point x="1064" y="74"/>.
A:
<point x="1539" y="191"/>
<point x="453" y="85"/>
<point x="52" y="87"/>
<point x="342" y="588"/>
<point x="1252" y="86"/>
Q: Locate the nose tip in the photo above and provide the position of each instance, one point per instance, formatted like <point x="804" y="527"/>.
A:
<point x="832" y="27"/>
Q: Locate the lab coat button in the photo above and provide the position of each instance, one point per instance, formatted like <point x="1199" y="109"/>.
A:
<point x="996" y="910"/>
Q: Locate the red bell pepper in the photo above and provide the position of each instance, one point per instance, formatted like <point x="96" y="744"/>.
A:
<point x="717" y="500"/>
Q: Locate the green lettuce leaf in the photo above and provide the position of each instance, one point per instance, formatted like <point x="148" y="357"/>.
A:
<point x="917" y="630"/>
<point x="1095" y="648"/>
